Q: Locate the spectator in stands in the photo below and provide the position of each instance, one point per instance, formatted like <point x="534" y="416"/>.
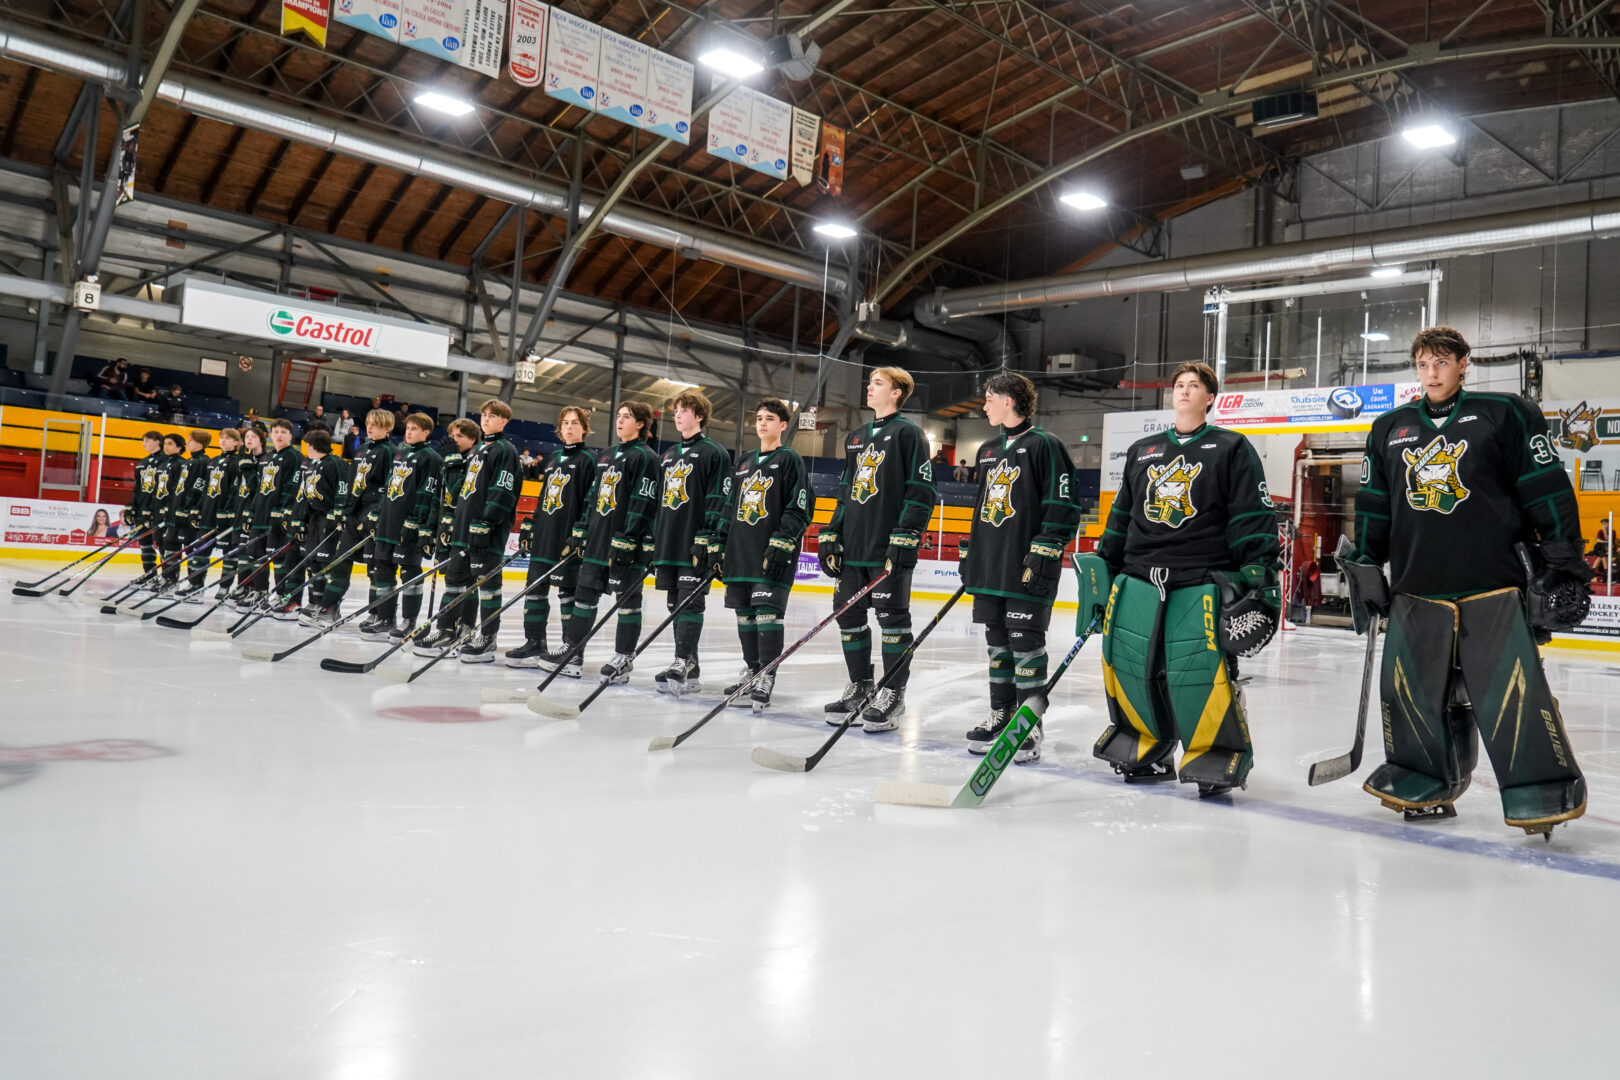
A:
<point x="963" y="473"/>
<point x="941" y="461"/>
<point x="401" y="412"/>
<point x="144" y="389"/>
<point x="530" y="464"/>
<point x="174" y="403"/>
<point x="343" y="433"/>
<point x="1602" y="551"/>
<point x="319" y="414"/>
<point x="112" y="381"/>
<point x="101" y="527"/>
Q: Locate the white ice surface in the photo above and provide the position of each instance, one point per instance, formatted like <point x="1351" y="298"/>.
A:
<point x="298" y="874"/>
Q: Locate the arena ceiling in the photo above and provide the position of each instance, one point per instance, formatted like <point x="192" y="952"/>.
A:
<point x="966" y="120"/>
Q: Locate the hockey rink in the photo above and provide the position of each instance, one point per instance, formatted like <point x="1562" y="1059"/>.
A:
<point x="216" y="868"/>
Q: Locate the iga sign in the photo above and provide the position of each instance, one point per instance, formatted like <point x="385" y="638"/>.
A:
<point x="313" y="330"/>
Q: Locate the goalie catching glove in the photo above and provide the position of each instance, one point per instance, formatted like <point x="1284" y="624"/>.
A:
<point x="1555" y="596"/>
<point x="1250" y="606"/>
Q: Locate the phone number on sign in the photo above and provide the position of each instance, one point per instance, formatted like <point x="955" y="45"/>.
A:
<point x="77" y="538"/>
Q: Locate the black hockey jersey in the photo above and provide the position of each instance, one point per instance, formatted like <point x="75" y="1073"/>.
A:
<point x="369" y="476"/>
<point x="1191" y="504"/>
<point x="146" y="478"/>
<point x="623" y="499"/>
<point x="216" y="501"/>
<point x="171" y="481"/>
<point x="887" y="484"/>
<point x="247" y="489"/>
<point x="565" y="488"/>
<point x="1025" y="476"/>
<point x="696" y="481"/>
<point x="1444" y="500"/>
<point x="323" y="488"/>
<point x="278" y="485"/>
<point x="489" y="489"/>
<point x="409" y="503"/>
<point x="770" y="496"/>
<point x="451" y="473"/>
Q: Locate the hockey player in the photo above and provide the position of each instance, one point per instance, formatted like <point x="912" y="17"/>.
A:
<point x="1451" y="484"/>
<point x="619" y="517"/>
<point x="360" y="509"/>
<point x="755" y="548"/>
<point x="407" y="517"/>
<point x="227" y="506"/>
<point x="485" y="509"/>
<point x="278" y="490"/>
<point x="141" y="511"/>
<point x="319" y="516"/>
<point x="885" y="497"/>
<point x="1191" y="542"/>
<point x="187" y="491"/>
<point x="166" y="506"/>
<point x="213" y="485"/>
<point x="463" y="435"/>
<point x="696" y="474"/>
<point x="1023" y="520"/>
<point x="547" y="534"/>
<point x="250" y="590"/>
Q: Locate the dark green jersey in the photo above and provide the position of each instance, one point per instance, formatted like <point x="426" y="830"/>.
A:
<point x="409" y="504"/>
<point x="1024" y="496"/>
<point x="1444" y="499"/>
<point x="247" y="488"/>
<point x="489" y="488"/>
<point x="623" y="499"/>
<point x="323" y="488"/>
<point x="692" y="498"/>
<point x="171" y="481"/>
<point x="887" y="484"/>
<point x="193" y="486"/>
<point x="278" y="486"/>
<point x="146" y="478"/>
<point x="1191" y="504"/>
<point x="217" y="501"/>
<point x="770" y="496"/>
<point x="565" y="488"/>
<point x="370" y="475"/>
<point x="450" y="477"/>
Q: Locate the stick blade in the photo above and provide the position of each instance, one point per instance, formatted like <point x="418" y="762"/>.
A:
<point x="661" y="742"/>
<point x="346" y="667"/>
<point x="1325" y="772"/>
<point x="259" y="652"/>
<point x="540" y="705"/>
<point x="394" y="674"/>
<point x="176" y="624"/>
<point x="905" y="793"/>
<point x="19" y="590"/>
<point x="202" y="633"/>
<point x="506" y="695"/>
<point x="775" y="759"/>
<point x="128" y="612"/>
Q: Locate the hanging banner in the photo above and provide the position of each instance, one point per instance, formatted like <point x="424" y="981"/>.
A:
<point x="528" y="46"/>
<point x="730" y="126"/>
<point x="436" y="27"/>
<point x="830" y="165"/>
<point x="485" y="36"/>
<point x="770" y="136"/>
<point x="306" y="16"/>
<point x="128" y="144"/>
<point x="379" y="17"/>
<point x="806" y="126"/>
<point x="573" y="59"/>
<point x="622" y="94"/>
<point x="669" y="97"/>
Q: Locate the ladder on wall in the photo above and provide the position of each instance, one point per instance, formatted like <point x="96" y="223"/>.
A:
<point x="297" y="384"/>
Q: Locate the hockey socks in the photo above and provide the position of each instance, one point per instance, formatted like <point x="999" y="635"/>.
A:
<point x="688" y="628"/>
<point x="858" y="653"/>
<point x="536" y="613"/>
<point x="896" y="642"/>
<point x="748" y="637"/>
<point x="768" y="624"/>
<point x="627" y="632"/>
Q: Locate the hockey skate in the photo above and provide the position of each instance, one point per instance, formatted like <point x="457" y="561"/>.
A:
<point x="883" y="714"/>
<point x="554" y="662"/>
<point x="375" y="628"/>
<point x="527" y="654"/>
<point x="983" y="737"/>
<point x="479" y="649"/>
<point x="681" y="677"/>
<point x="617" y="670"/>
<point x="1156" y="773"/>
<point x="854" y="693"/>
<point x="741" y="701"/>
<point x="760" y="696"/>
<point x="442" y="638"/>
<point x="287" y="612"/>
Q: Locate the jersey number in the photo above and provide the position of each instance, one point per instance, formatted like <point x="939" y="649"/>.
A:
<point x="1541" y="450"/>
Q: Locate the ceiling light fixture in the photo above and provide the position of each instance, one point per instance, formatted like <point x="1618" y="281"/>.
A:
<point x="834" y="230"/>
<point x="1375" y="335"/>
<point x="1388" y="271"/>
<point x="448" y="104"/>
<point x="1429" y="136"/>
<point x="1084" y="200"/>
<point x="732" y="53"/>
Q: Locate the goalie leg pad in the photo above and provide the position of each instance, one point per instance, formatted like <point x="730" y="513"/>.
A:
<point x="1517" y="715"/>
<point x="1424" y="759"/>
<point x="1209" y="716"/>
<point x="1140" y="733"/>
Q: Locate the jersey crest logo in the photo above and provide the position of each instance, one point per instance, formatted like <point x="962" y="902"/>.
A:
<point x="396" y="479"/>
<point x="1580" y="427"/>
<point x="360" y="472"/>
<point x="216" y="481"/>
<point x="607" y="492"/>
<point x="556" y="484"/>
<point x="1432" y="478"/>
<point x="864" y="485"/>
<point x="163" y="484"/>
<point x="751" y="507"/>
<point x="1169" y="492"/>
<point x="311" y="480"/>
<point x="470" y="484"/>
<point x="998" y="505"/>
<point x="675" y="477"/>
<point x="267" y="479"/>
<point x="147" y="480"/>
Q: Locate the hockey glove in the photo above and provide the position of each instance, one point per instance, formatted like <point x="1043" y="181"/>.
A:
<point x="830" y="553"/>
<point x="368" y="524"/>
<point x="624" y="551"/>
<point x="781" y="556"/>
<point x="902" y="553"/>
<point x="445" y="536"/>
<point x="1365" y="581"/>
<point x="700" y="549"/>
<point x="294" y="528"/>
<point x="716" y="550"/>
<point x="477" y="535"/>
<point x="526" y="537"/>
<point x="961" y="555"/>
<point x="1555" y="596"/>
<point x="1250" y="604"/>
<point x="1042" y="568"/>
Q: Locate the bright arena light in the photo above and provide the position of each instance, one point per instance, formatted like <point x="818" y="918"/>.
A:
<point x="445" y="103"/>
<point x="1084" y="200"/>
<point x="834" y="230"/>
<point x="1387" y="271"/>
<point x="1429" y="136"/>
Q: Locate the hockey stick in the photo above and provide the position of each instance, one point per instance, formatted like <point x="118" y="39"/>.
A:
<point x="31" y="588"/>
<point x="569" y="712"/>
<point x="775" y="759"/>
<point x="501" y="695"/>
<point x="83" y="575"/>
<point x="664" y="742"/>
<point x="272" y="656"/>
<point x="272" y="599"/>
<point x="252" y="568"/>
<point x="181" y="598"/>
<point x="1337" y="768"/>
<point x="472" y="590"/>
<point x="109" y="601"/>
<point x="177" y="557"/>
<point x="348" y="667"/>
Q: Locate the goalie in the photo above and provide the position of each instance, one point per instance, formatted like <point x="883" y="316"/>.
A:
<point x="1454" y="488"/>
<point x="1191" y="543"/>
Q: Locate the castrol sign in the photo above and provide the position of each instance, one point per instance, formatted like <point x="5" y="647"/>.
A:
<point x="301" y="323"/>
<point x="313" y="330"/>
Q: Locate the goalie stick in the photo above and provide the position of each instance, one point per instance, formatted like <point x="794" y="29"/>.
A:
<point x="569" y="712"/>
<point x="252" y="568"/>
<point x="32" y="588"/>
<point x="775" y="759"/>
<point x="272" y="656"/>
<point x="1337" y="768"/>
<point x="665" y="742"/>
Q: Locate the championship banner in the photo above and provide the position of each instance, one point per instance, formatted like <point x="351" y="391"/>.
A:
<point x="573" y="59"/>
<point x="669" y="97"/>
<point x="731" y="126"/>
<point x="770" y="138"/>
<point x="622" y="78"/>
<point x="306" y="16"/>
<point x="830" y="166"/>
<point x="128" y="145"/>
<point x="378" y="17"/>
<point x="806" y="127"/>
<point x="436" y="27"/>
<point x="526" y="56"/>
<point x="485" y="36"/>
